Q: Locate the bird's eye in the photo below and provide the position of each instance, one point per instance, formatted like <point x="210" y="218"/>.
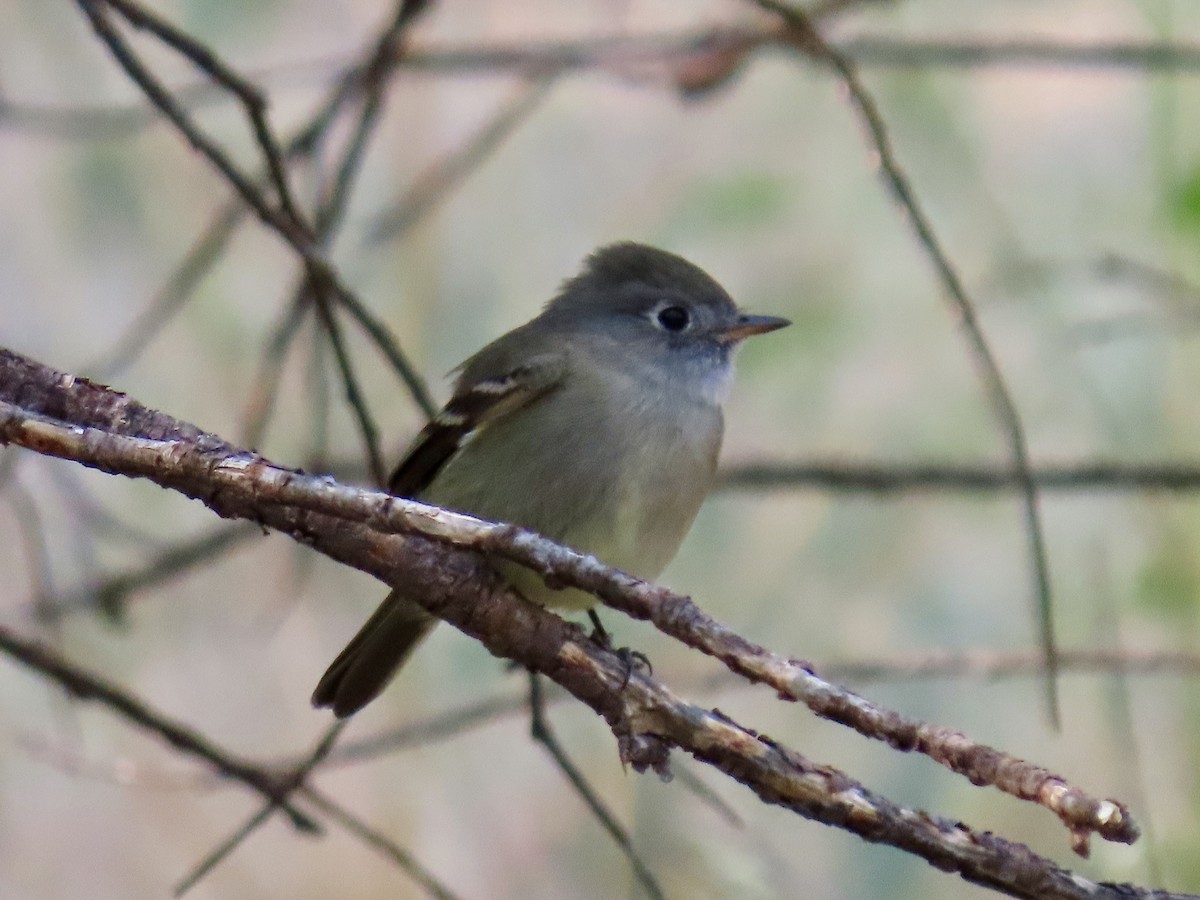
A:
<point x="673" y="318"/>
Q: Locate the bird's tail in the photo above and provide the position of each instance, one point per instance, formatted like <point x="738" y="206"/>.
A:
<point x="372" y="657"/>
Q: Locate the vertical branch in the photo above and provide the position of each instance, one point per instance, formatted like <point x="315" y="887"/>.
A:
<point x="804" y="37"/>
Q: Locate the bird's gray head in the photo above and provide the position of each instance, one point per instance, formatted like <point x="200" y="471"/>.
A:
<point x="654" y="306"/>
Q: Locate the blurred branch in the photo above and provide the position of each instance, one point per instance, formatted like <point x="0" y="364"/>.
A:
<point x="803" y="36"/>
<point x="895" y="478"/>
<point x="286" y="220"/>
<point x="380" y="842"/>
<point x="543" y="734"/>
<point x="619" y="52"/>
<point x="86" y="686"/>
<point x="433" y="185"/>
<point x="111" y="593"/>
<point x="993" y="665"/>
<point x="1151" y="56"/>
<point x="207" y="250"/>
<point x="290" y="782"/>
<point x="75" y="419"/>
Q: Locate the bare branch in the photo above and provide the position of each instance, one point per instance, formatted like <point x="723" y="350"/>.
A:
<point x="895" y="478"/>
<point x="432" y="186"/>
<point x="111" y="593"/>
<point x="289" y="783"/>
<point x="320" y="273"/>
<point x="543" y="734"/>
<point x="87" y="686"/>
<point x="397" y="854"/>
<point x="466" y="592"/>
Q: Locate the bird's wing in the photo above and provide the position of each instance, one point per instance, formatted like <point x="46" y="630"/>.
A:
<point x="477" y="402"/>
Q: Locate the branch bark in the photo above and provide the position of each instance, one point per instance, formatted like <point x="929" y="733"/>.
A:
<point x="61" y="415"/>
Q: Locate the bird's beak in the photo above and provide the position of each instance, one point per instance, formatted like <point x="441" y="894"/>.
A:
<point x="745" y="326"/>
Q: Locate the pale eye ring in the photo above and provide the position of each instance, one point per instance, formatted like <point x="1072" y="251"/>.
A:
<point x="673" y="318"/>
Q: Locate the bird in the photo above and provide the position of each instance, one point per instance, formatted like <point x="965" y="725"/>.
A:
<point x="597" y="424"/>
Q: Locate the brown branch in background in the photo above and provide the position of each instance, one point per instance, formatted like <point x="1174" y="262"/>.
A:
<point x="321" y="275"/>
<point x="86" y="686"/>
<point x="615" y="52"/>
<point x="289" y="784"/>
<point x="621" y="54"/>
<point x="238" y="484"/>
<point x="112" y="593"/>
<point x="264" y="389"/>
<point x="994" y="665"/>
<point x="373" y="838"/>
<point x="171" y="297"/>
<point x="899" y="477"/>
<point x="250" y="98"/>
<point x="542" y="733"/>
<point x="804" y="37"/>
<point x="967" y="53"/>
<point x="432" y="186"/>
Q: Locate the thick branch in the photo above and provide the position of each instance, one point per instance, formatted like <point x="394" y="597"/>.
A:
<point x="346" y="524"/>
<point x="239" y="484"/>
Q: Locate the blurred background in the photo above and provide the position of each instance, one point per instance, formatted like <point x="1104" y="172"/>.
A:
<point x="1064" y="188"/>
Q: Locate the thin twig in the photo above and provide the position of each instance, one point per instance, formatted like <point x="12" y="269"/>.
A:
<point x="432" y="187"/>
<point x="372" y="837"/>
<point x="355" y="397"/>
<point x="111" y="593"/>
<point x="88" y="686"/>
<point x="251" y="99"/>
<point x="172" y="296"/>
<point x="321" y="274"/>
<point x="287" y="784"/>
<point x="540" y="731"/>
<point x="899" y="477"/>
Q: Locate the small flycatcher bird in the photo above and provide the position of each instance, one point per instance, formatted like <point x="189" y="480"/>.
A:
<point x="596" y="424"/>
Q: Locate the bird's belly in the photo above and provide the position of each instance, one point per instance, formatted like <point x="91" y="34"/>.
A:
<point x="559" y="482"/>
